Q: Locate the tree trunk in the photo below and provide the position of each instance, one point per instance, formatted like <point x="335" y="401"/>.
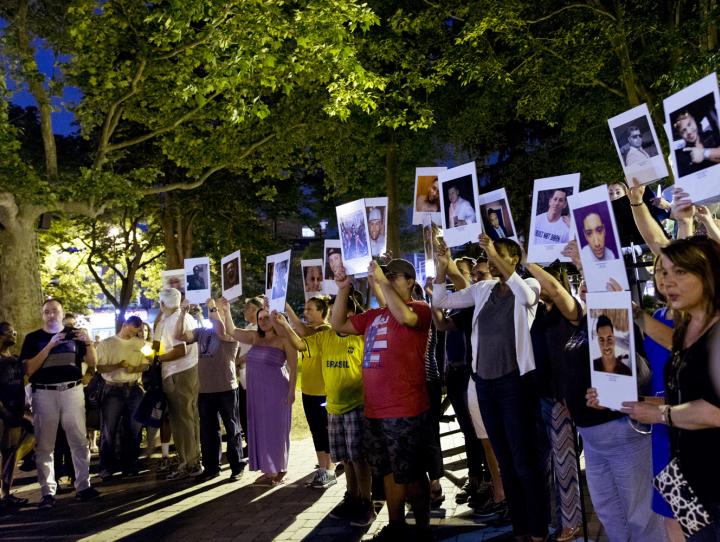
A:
<point x="20" y="288"/>
<point x="178" y="232"/>
<point x="392" y="224"/>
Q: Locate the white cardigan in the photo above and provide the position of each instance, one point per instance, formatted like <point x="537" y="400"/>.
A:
<point x="527" y="295"/>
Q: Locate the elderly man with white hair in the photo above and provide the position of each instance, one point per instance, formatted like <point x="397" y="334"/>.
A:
<point x="180" y="383"/>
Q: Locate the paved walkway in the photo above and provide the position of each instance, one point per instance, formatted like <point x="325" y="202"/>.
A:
<point x="145" y="508"/>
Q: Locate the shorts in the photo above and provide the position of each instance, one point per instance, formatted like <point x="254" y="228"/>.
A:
<point x="405" y="447"/>
<point x="346" y="435"/>
<point x="317" y="420"/>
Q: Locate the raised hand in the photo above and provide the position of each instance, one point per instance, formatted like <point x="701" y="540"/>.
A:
<point x="488" y="246"/>
<point x="636" y="192"/>
<point x="682" y="206"/>
<point x="697" y="153"/>
<point x="571" y="251"/>
<point x="376" y="271"/>
<point x="342" y="279"/>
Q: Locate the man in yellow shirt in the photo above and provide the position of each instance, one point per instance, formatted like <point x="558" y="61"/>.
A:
<point x="341" y="363"/>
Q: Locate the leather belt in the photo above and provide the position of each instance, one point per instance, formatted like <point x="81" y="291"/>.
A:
<point x="56" y="387"/>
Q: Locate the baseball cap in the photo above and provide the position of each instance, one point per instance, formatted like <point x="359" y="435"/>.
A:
<point x="398" y="266"/>
<point x="374" y="214"/>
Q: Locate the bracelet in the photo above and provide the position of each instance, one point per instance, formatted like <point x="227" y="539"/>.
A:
<point x="706" y="154"/>
<point x="668" y="412"/>
<point x="637" y="204"/>
<point x="214" y="309"/>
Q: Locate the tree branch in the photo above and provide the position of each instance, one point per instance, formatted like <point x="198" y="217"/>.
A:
<point x="573" y="6"/>
<point x="196" y="184"/>
<point x="214" y="26"/>
<point x="150" y="135"/>
<point x="594" y="80"/>
<point x="151" y="260"/>
<point x="113" y="116"/>
<point x="99" y="281"/>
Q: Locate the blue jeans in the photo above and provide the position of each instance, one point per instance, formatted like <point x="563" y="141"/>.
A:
<point x="618" y="468"/>
<point x="212" y="407"/>
<point x="118" y="405"/>
<point x="508" y="406"/>
<point x="457" y="386"/>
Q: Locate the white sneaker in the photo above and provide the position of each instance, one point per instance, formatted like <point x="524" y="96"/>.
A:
<point x="323" y="480"/>
<point x="195" y="470"/>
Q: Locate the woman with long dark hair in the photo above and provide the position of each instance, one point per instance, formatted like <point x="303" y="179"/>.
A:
<point x="691" y="275"/>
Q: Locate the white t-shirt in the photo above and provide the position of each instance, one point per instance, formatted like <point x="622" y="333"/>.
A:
<point x="243" y="349"/>
<point x="461" y="210"/>
<point x="113" y="350"/>
<point x="549" y="233"/>
<point x="588" y="254"/>
<point x="166" y="335"/>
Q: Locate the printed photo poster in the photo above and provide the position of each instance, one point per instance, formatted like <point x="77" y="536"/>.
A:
<point x="637" y="145"/>
<point x="613" y="371"/>
<point x="231" y="276"/>
<point x="427" y="194"/>
<point x="376" y="211"/>
<point x="174" y="278"/>
<point x="691" y="117"/>
<point x="277" y="291"/>
<point x="197" y="280"/>
<point x="550" y="228"/>
<point x="598" y="240"/>
<point x="333" y="263"/>
<point x="312" y="271"/>
<point x="495" y="214"/>
<point x="354" y="236"/>
<point x="432" y="235"/>
<point x="458" y="201"/>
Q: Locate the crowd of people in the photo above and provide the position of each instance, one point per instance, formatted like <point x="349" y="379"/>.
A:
<point x="508" y="339"/>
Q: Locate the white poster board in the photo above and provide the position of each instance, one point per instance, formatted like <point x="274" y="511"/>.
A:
<point x="458" y="201"/>
<point x="312" y="274"/>
<point x="550" y="228"/>
<point x="376" y="210"/>
<point x="691" y="117"/>
<point x="174" y="278"/>
<point x="277" y="292"/>
<point x="427" y="194"/>
<point x="354" y="236"/>
<point x="598" y="240"/>
<point x="231" y="275"/>
<point x="613" y="372"/>
<point x="637" y="145"/>
<point x="333" y="263"/>
<point x="497" y="220"/>
<point x="197" y="280"/>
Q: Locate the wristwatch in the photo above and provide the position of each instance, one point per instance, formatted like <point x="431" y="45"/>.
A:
<point x="706" y="154"/>
<point x="213" y="309"/>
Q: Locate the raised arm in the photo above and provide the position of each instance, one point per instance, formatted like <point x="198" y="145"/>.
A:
<point x="683" y="211"/>
<point x="245" y="336"/>
<point x="377" y="291"/>
<point x="440" y="297"/>
<point x="560" y="297"/>
<point x="649" y="229"/>
<point x="180" y="333"/>
<point x="704" y="216"/>
<point x="397" y="306"/>
<point x="285" y="330"/>
<point x="523" y="292"/>
<point x="338" y="319"/>
<point x="303" y="330"/>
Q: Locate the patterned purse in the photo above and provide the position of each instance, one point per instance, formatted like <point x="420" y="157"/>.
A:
<point x="687" y="509"/>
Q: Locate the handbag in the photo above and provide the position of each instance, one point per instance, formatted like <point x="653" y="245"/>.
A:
<point x="152" y="407"/>
<point x="675" y="489"/>
<point x="94" y="390"/>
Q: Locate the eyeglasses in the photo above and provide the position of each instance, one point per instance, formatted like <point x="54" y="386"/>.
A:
<point x="635" y="135"/>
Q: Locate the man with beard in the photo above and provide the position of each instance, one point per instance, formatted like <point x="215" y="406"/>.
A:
<point x="552" y="227"/>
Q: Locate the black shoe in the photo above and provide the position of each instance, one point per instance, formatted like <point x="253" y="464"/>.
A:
<point x="236" y="475"/>
<point x="11" y="501"/>
<point x="364" y="514"/>
<point x="346" y="509"/>
<point x="339" y="469"/>
<point x="424" y="534"/>
<point x="468" y="490"/>
<point x="394" y="532"/>
<point x="46" y="503"/>
<point x="492" y="510"/>
<point x="207" y="475"/>
<point x="482" y="496"/>
<point x="87" y="494"/>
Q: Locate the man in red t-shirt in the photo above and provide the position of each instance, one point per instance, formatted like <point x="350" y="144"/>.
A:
<point x="398" y="431"/>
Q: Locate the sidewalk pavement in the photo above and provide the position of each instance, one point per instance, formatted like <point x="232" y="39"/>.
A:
<point x="147" y="508"/>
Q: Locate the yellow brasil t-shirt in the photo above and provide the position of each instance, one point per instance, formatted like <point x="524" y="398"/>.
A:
<point x="311" y="379"/>
<point x="341" y="363"/>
